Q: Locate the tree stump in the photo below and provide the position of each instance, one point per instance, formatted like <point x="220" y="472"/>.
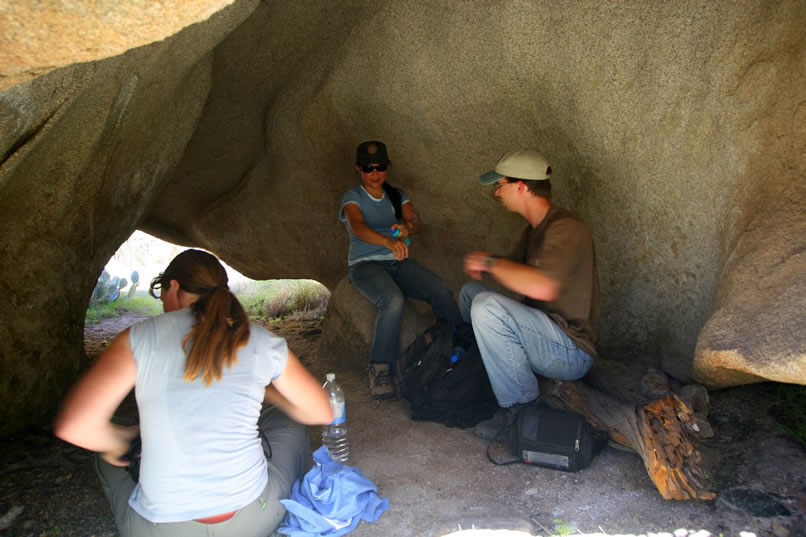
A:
<point x="642" y="413"/>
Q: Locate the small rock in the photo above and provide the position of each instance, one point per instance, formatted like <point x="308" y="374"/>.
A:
<point x="696" y="397"/>
<point x="704" y="428"/>
<point x="654" y="384"/>
<point x="8" y="519"/>
<point x="779" y="530"/>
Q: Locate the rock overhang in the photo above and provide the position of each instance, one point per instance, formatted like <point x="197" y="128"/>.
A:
<point x="237" y="134"/>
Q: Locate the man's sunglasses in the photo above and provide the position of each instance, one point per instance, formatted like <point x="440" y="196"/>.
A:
<point x="370" y="167"/>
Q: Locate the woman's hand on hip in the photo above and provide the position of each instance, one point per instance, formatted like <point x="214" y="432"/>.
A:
<point x="124" y="435"/>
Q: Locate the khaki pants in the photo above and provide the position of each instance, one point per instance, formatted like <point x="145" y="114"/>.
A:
<point x="290" y="452"/>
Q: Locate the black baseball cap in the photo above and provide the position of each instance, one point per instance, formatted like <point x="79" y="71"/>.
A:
<point x="372" y="152"/>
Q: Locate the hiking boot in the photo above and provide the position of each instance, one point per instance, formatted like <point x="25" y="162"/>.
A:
<point x="380" y="382"/>
<point x="494" y="427"/>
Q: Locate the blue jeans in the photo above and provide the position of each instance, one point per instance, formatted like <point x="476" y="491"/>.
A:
<point x="387" y="284"/>
<point x="516" y="342"/>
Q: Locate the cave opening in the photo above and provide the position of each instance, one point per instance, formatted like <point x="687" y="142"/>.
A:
<point x="122" y="290"/>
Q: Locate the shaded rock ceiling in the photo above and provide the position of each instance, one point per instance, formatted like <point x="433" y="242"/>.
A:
<point x="676" y="130"/>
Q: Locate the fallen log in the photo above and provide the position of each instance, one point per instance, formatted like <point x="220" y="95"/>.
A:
<point x="662" y="430"/>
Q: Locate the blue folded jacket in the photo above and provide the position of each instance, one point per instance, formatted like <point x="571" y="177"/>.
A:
<point x="330" y="500"/>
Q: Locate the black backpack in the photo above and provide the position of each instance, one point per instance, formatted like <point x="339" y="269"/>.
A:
<point x="454" y="391"/>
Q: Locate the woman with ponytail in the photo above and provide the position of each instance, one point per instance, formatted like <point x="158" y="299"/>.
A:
<point x="212" y="463"/>
<point x="379" y="220"/>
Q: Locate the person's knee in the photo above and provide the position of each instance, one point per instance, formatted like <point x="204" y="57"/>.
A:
<point x="467" y="291"/>
<point x="484" y="308"/>
<point x="392" y="301"/>
<point x="443" y="291"/>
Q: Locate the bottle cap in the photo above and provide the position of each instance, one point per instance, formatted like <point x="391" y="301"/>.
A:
<point x="330" y="376"/>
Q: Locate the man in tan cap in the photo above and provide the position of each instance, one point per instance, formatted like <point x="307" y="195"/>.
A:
<point x="553" y="331"/>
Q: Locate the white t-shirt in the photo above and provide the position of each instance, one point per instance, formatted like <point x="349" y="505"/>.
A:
<point x="201" y="454"/>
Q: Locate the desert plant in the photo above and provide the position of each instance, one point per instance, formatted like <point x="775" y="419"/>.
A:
<point x="277" y="305"/>
<point x="562" y="528"/>
<point x="108" y="288"/>
<point x="135" y="281"/>
<point x="297" y="299"/>
<point x="308" y="295"/>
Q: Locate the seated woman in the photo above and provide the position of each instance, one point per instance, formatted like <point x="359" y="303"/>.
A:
<point x="379" y="219"/>
<point x="201" y="372"/>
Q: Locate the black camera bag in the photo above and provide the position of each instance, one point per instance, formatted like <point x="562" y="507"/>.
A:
<point x="554" y="438"/>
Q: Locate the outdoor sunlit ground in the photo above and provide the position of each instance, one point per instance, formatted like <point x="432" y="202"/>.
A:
<point x="148" y="256"/>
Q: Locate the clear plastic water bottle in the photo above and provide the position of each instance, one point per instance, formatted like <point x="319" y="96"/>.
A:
<point x="334" y="436"/>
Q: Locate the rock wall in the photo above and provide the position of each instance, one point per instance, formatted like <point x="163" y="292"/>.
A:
<point x="41" y="36"/>
<point x="350" y="323"/>
<point x="85" y="151"/>
<point x="673" y="129"/>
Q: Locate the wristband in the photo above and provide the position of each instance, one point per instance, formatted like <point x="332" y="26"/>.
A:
<point x="491" y="260"/>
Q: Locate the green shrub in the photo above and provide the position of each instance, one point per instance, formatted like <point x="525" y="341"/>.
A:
<point x="307" y="301"/>
<point x="277" y="305"/>
<point x="140" y="304"/>
<point x="268" y="300"/>
<point x="253" y="294"/>
<point x="283" y="299"/>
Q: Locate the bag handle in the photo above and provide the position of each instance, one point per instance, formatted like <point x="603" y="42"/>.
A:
<point x="490" y="457"/>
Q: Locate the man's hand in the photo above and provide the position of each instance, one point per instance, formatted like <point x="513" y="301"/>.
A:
<point x="476" y="264"/>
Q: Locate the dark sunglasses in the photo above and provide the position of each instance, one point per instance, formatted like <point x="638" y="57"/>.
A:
<point x="370" y="167"/>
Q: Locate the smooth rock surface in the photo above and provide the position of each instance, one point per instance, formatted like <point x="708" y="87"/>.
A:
<point x="350" y="323"/>
<point x="42" y="35"/>
<point x="676" y="130"/>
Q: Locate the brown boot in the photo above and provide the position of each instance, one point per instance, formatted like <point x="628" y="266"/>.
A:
<point x="380" y="382"/>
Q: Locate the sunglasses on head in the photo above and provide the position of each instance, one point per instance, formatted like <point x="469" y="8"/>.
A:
<point x="379" y="167"/>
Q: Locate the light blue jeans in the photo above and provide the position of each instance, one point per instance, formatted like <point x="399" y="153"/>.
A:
<point x="387" y="284"/>
<point x="516" y="342"/>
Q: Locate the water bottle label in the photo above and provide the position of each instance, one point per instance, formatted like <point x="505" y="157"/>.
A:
<point x="339" y="413"/>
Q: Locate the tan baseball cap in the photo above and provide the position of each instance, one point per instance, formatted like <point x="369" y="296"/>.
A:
<point x="525" y="164"/>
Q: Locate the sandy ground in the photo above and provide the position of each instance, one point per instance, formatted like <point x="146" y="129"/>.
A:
<point x="438" y="480"/>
